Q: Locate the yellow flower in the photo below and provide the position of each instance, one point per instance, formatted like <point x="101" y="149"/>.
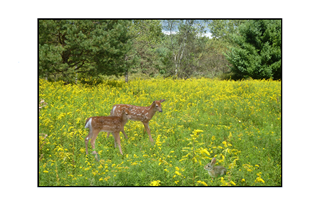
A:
<point x="259" y="179"/>
<point x="155" y="183"/>
<point x="232" y="183"/>
<point x="205" y="151"/>
<point x="178" y="173"/>
<point x="201" y="182"/>
<point x="45" y="171"/>
<point x="243" y="180"/>
<point x="224" y="143"/>
<point x="198" y="130"/>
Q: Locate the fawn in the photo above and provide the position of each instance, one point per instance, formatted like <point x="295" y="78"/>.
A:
<point x="113" y="124"/>
<point x="143" y="114"/>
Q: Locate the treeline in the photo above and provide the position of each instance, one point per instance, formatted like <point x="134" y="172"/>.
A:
<point x="70" y="49"/>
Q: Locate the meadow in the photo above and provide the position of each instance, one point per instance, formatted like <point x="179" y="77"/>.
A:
<point x="238" y="122"/>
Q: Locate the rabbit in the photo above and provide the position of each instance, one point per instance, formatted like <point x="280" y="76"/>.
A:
<point x="215" y="171"/>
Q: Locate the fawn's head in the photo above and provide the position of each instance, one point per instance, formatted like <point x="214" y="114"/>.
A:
<point x="126" y="113"/>
<point x="157" y="104"/>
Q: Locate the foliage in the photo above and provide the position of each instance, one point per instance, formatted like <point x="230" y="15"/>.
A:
<point x="224" y="29"/>
<point x="258" y="54"/>
<point x="90" y="47"/>
<point x="146" y="36"/>
<point x="186" y="44"/>
<point x="77" y="49"/>
<point x="212" y="60"/>
<point x="238" y="122"/>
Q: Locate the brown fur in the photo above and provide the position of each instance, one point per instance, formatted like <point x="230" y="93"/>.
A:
<point x="113" y="124"/>
<point x="137" y="113"/>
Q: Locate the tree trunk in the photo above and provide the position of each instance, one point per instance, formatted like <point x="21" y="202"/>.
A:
<point x="76" y="78"/>
<point x="127" y="73"/>
<point x="127" y="76"/>
<point x="175" y="61"/>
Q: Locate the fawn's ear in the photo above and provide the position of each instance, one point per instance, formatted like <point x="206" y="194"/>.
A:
<point x="162" y="100"/>
<point x="213" y="161"/>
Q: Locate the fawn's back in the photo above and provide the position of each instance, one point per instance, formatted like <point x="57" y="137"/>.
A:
<point x="107" y="124"/>
<point x="137" y="113"/>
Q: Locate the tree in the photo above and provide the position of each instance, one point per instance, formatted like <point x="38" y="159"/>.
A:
<point x="146" y="36"/>
<point x="186" y="42"/>
<point x="258" y="50"/>
<point x="213" y="60"/>
<point x="224" y="29"/>
<point x="90" y="47"/>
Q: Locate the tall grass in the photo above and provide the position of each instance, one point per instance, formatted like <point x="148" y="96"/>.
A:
<point x="238" y="122"/>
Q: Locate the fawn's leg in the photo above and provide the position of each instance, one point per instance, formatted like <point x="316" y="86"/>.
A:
<point x="117" y="140"/>
<point x="93" y="140"/>
<point x="124" y="134"/>
<point x="111" y="114"/>
<point x="146" y="126"/>
<point x="86" y="140"/>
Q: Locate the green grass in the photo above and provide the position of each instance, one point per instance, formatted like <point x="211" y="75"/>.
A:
<point x="240" y="123"/>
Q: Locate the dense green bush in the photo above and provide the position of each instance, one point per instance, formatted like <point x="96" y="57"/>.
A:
<point x="258" y="50"/>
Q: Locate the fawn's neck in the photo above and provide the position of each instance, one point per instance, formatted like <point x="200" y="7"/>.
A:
<point x="151" y="111"/>
<point x="123" y="119"/>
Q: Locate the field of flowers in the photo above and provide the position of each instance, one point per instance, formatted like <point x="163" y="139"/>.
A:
<point x="238" y="122"/>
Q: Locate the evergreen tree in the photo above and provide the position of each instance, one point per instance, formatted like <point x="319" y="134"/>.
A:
<point x="90" y="47"/>
<point x="258" y="50"/>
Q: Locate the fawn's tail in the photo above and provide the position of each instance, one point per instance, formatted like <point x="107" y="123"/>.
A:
<point x="88" y="123"/>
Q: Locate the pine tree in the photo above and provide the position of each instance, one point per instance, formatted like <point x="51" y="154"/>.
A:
<point x="87" y="47"/>
<point x="258" y="50"/>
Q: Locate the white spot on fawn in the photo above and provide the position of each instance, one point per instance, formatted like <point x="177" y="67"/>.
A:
<point x="88" y="125"/>
<point x="114" y="108"/>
